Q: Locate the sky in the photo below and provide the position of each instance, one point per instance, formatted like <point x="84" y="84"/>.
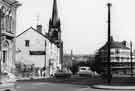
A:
<point x="84" y="22"/>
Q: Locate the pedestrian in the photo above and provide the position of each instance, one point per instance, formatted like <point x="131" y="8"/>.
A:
<point x="44" y="74"/>
<point x="41" y="72"/>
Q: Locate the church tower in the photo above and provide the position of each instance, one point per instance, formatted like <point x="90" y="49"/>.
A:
<point x="54" y="32"/>
<point x="54" y="25"/>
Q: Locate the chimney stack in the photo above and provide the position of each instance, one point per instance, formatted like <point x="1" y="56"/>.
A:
<point x="39" y="28"/>
<point x="124" y="43"/>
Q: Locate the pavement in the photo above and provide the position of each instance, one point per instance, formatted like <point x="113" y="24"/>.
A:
<point x="117" y="83"/>
<point x="108" y="87"/>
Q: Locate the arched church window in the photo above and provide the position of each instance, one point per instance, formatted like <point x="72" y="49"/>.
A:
<point x="7" y="19"/>
<point x="10" y="23"/>
<point x="55" y="35"/>
<point x="5" y="45"/>
<point x="4" y="56"/>
<point x="2" y="17"/>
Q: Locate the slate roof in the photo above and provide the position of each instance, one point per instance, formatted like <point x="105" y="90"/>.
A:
<point x="34" y="30"/>
<point x="115" y="44"/>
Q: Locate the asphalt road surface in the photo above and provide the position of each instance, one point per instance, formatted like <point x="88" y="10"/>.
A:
<point x="42" y="86"/>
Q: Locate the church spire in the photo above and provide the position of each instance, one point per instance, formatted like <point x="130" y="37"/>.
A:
<point x="54" y="31"/>
<point x="55" y="18"/>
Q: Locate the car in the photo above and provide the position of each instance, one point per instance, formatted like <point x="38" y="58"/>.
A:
<point x="63" y="74"/>
<point x="84" y="71"/>
<point x="95" y="74"/>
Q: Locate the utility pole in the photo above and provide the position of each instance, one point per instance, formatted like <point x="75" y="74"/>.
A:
<point x="108" y="43"/>
<point x="131" y="55"/>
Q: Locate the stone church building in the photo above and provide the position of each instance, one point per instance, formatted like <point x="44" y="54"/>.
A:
<point x="8" y="10"/>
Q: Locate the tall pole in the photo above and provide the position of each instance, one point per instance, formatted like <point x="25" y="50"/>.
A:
<point x="0" y="40"/>
<point x="109" y="36"/>
<point x="61" y="53"/>
<point x="45" y="55"/>
<point x="131" y="58"/>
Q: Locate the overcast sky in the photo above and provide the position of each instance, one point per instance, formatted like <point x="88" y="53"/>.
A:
<point x="84" y="22"/>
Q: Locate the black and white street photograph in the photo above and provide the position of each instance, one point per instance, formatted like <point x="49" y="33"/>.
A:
<point x="67" y="45"/>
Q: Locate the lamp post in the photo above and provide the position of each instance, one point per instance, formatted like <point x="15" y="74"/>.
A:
<point x="0" y="40"/>
<point x="108" y="43"/>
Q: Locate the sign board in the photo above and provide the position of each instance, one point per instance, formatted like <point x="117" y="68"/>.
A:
<point x="37" y="52"/>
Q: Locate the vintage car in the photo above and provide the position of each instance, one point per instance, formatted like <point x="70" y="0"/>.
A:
<point x="84" y="71"/>
<point x="63" y="73"/>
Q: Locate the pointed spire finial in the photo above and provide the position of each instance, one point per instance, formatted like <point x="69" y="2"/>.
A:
<point x="54" y="12"/>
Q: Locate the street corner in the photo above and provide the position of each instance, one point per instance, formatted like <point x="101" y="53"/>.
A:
<point x="109" y="87"/>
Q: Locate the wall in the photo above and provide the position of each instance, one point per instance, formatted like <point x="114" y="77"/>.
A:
<point x="37" y="43"/>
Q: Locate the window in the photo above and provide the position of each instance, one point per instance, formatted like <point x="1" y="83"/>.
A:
<point x="117" y="51"/>
<point x="27" y="43"/>
<point x="117" y="58"/>
<point x="4" y="56"/>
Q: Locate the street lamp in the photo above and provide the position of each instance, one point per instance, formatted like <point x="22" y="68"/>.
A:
<point x="108" y="43"/>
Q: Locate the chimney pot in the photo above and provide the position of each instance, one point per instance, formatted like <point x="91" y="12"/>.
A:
<point x="39" y="28"/>
<point x="124" y="43"/>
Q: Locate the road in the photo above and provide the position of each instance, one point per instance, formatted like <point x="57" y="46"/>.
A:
<point x="43" y="86"/>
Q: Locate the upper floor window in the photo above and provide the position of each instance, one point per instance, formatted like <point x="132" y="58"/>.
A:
<point x="27" y="43"/>
<point x="117" y="51"/>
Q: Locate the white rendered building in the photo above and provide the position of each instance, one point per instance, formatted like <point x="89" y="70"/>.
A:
<point x="34" y="47"/>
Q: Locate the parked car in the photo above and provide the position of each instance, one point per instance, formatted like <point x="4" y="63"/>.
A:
<point x="84" y="71"/>
<point x="95" y="74"/>
<point x="63" y="73"/>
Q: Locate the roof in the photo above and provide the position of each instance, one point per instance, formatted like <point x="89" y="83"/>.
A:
<point x="115" y="44"/>
<point x="34" y="30"/>
<point x="12" y="2"/>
